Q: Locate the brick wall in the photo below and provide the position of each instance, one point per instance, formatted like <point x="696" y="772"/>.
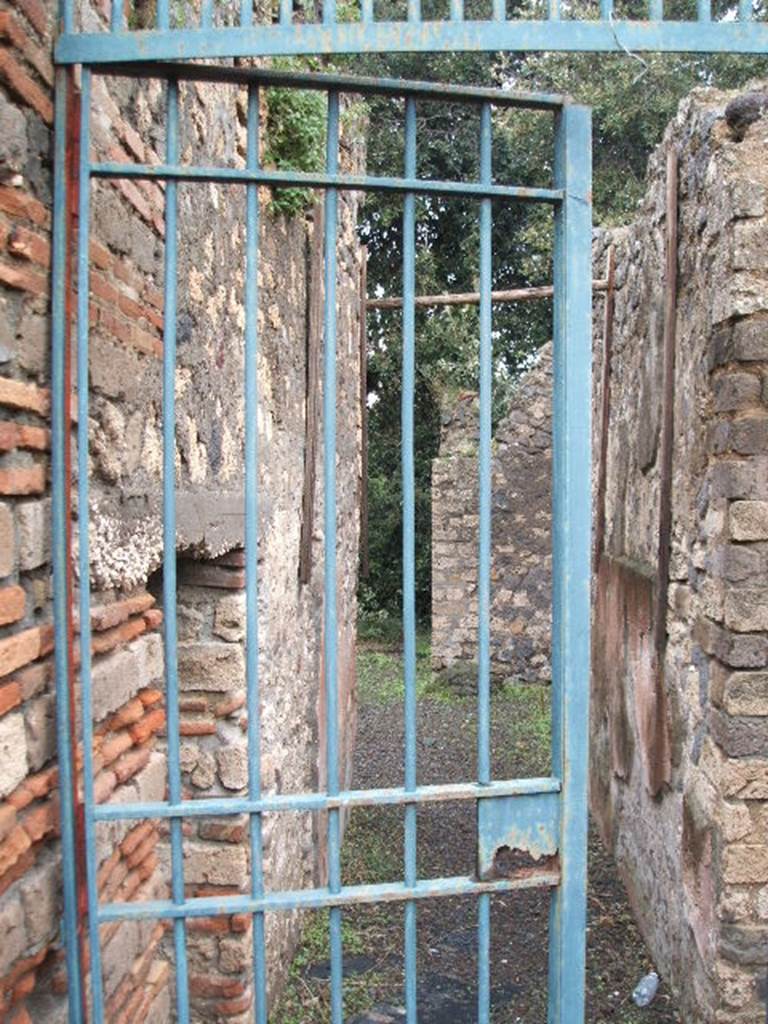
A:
<point x="126" y="323"/>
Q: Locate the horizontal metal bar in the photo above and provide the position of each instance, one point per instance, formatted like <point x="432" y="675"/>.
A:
<point x="282" y="179"/>
<point x="427" y="36"/>
<point x="322" y="801"/>
<point x="306" y="899"/>
<point x="473" y="298"/>
<point x="356" y="84"/>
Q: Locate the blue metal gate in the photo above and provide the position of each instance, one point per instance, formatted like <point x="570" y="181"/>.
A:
<point x="545" y="817"/>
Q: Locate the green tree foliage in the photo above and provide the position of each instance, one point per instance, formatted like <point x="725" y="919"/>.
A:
<point x="632" y="101"/>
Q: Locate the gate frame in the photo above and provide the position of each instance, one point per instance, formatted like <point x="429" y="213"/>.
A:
<point x="571" y="439"/>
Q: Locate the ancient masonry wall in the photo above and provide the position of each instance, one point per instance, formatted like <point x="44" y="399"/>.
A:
<point x="521" y="564"/>
<point x="679" y="732"/>
<point x="126" y="322"/>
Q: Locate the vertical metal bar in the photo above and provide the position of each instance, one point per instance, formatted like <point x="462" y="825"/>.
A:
<point x="703" y="10"/>
<point x="66" y="15"/>
<point x="457" y="10"/>
<point x="253" y="696"/>
<point x="163" y="15"/>
<point x="329" y="14"/>
<point x="499" y="10"/>
<point x="553" y="10"/>
<point x="606" y="9"/>
<point x="409" y="547"/>
<point x="246" y="13"/>
<point x="330" y="638"/>
<point x="656" y="10"/>
<point x="366" y="10"/>
<point x="169" y="547"/>
<point x="83" y="500"/>
<point x="745" y="10"/>
<point x="484" y="553"/>
<point x="117" y="20"/>
<point x="206" y="14"/>
<point x="414" y="11"/>
<point x="286" y="12"/>
<point x="571" y="519"/>
<point x="60" y="398"/>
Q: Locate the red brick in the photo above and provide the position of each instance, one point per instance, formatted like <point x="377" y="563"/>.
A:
<point x="21" y="867"/>
<point x="143" y="850"/>
<point x="12" y="30"/>
<point x="23" y="279"/>
<point x="193" y="704"/>
<point x="10" y="697"/>
<point x="22" y="480"/>
<point x="103" y="289"/>
<point x="21" y="435"/>
<point x="234" y="1007"/>
<point x="34" y="12"/>
<point x="129" y="764"/>
<point x="7" y="820"/>
<point x="105" y="871"/>
<point x="12" y="848"/>
<point x="240" y="923"/>
<point x="151" y="723"/>
<point x="211" y="986"/>
<point x="109" y="615"/>
<point x="201" y="727"/>
<point x="135" y="838"/>
<point x="19" y="82"/>
<point x="100" y="255"/>
<point x="227" y="707"/>
<point x="12" y="606"/>
<point x="116" y="745"/>
<point x="149" y="697"/>
<point x="41" y="784"/>
<point x="21" y="648"/>
<point x="153" y="618"/>
<point x="28" y="245"/>
<point x="20" y="204"/>
<point x="127" y="715"/>
<point x="103" y="786"/>
<point x="132" y="882"/>
<point x="24" y="987"/>
<point x="17" y="395"/>
<point x="123" y="634"/>
<point x="41" y="821"/>
<point x="209" y="925"/>
<point x="223" y="831"/>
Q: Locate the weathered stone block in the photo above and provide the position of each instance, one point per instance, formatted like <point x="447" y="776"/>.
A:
<point x="34" y="536"/>
<point x="40" y="898"/>
<point x="747" y="779"/>
<point x="229" y="618"/>
<point x="13" y="752"/>
<point x="743" y="944"/>
<point x="215" y="864"/>
<point x="233" y="766"/>
<point x="746" y="609"/>
<point x="732" y="391"/>
<point x="745" y="864"/>
<point x="739" y="736"/>
<point x="749" y="339"/>
<point x="215" y="667"/>
<point x="13" y="931"/>
<point x="7" y="541"/>
<point x="746" y="693"/>
<point x="749" y="520"/>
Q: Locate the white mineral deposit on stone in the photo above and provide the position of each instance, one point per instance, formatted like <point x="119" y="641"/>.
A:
<point x="646" y="990"/>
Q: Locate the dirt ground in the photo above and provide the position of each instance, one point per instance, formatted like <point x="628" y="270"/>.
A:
<point x="447" y="942"/>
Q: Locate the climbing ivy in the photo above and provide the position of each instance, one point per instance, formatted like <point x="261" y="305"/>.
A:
<point x="295" y="137"/>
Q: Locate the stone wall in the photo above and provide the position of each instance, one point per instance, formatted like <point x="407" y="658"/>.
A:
<point x="679" y="773"/>
<point x="126" y="321"/>
<point x="521" y="563"/>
